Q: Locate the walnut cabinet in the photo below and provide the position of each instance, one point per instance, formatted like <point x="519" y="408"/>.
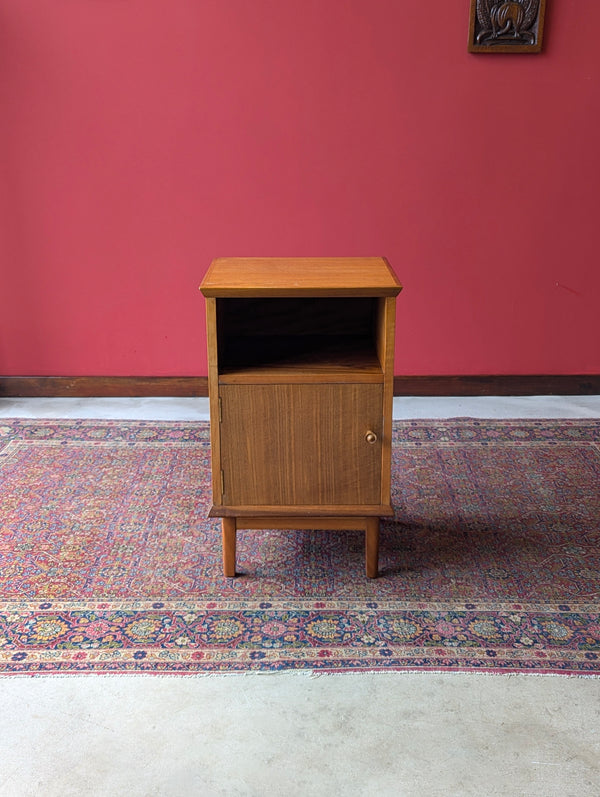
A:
<point x="300" y="360"/>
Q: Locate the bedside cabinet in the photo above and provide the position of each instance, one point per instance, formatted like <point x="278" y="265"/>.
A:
<point x="300" y="376"/>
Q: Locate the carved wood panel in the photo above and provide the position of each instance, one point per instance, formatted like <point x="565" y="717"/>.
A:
<point x="506" y="26"/>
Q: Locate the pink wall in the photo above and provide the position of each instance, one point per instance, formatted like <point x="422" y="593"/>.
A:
<point x="141" y="138"/>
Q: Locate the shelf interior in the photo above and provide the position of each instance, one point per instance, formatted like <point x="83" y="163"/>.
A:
<point x="295" y="337"/>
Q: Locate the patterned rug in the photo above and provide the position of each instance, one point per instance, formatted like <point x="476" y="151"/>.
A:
<point x="108" y="562"/>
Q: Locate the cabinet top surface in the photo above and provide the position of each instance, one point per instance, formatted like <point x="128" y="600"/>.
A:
<point x="308" y="276"/>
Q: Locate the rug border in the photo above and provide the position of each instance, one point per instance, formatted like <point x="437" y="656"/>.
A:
<point x="200" y="429"/>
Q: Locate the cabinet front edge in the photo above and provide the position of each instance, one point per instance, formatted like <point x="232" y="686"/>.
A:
<point x="339" y="510"/>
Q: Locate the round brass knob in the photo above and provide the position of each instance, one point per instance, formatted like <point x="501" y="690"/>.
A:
<point x="371" y="437"/>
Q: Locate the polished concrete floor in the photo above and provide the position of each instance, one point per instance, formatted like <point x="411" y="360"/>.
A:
<point x="195" y="409"/>
<point x="405" y="734"/>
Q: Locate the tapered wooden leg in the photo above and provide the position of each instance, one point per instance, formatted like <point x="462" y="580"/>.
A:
<point x="372" y="546"/>
<point x="228" y="526"/>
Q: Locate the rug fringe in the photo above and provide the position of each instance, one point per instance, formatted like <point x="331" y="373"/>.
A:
<point x="312" y="674"/>
<point x="470" y="673"/>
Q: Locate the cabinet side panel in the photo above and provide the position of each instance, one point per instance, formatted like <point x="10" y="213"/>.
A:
<point x="213" y="397"/>
<point x="385" y="334"/>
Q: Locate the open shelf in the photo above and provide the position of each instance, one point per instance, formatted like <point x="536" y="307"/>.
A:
<point x="297" y="339"/>
<point x="301" y="357"/>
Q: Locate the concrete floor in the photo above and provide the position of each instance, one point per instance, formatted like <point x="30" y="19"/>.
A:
<point x="406" y="734"/>
<point x="196" y="409"/>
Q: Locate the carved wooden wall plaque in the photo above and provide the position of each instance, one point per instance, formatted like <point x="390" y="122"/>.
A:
<point x="512" y="26"/>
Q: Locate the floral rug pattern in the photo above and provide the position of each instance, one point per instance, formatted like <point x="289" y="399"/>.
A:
<point x="108" y="562"/>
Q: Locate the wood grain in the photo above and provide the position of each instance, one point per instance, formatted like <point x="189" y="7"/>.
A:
<point x="301" y="358"/>
<point x="228" y="528"/>
<point x="370" y="525"/>
<point x="506" y="27"/>
<point x="386" y="326"/>
<point x="499" y="385"/>
<point x="301" y="355"/>
<point x="279" y="277"/>
<point x="301" y="444"/>
<point x="372" y="547"/>
<point x="333" y="523"/>
<point x="293" y="512"/>
<point x="102" y="386"/>
<point x="213" y="400"/>
<point x="197" y="386"/>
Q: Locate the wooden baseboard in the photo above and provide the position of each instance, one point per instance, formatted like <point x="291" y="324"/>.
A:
<point x="103" y="386"/>
<point x="498" y="385"/>
<point x="193" y="386"/>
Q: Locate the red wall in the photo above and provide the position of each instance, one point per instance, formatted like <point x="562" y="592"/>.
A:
<point x="141" y="138"/>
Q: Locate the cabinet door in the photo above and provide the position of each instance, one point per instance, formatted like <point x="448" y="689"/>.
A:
<point x="301" y="444"/>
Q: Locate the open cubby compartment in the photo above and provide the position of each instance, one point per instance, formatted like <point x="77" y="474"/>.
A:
<point x="314" y="337"/>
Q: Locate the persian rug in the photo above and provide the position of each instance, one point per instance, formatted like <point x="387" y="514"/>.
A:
<point x="108" y="563"/>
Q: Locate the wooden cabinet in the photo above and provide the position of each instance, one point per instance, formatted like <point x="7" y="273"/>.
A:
<point x="300" y="355"/>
